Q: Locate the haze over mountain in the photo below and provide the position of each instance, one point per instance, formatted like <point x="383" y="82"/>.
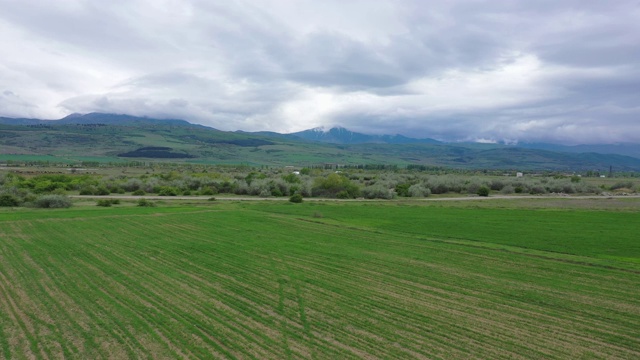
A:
<point x="562" y="72"/>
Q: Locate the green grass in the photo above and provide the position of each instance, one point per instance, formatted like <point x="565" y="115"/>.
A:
<point x="276" y="280"/>
<point x="587" y="233"/>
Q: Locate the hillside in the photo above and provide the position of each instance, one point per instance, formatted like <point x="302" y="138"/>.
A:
<point x="340" y="135"/>
<point x="109" y="137"/>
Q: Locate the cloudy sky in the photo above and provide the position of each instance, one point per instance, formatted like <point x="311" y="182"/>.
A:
<point x="546" y="70"/>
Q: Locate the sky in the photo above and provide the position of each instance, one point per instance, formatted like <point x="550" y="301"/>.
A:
<point x="558" y="71"/>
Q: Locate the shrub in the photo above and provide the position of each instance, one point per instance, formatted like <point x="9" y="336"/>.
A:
<point x="265" y="193"/>
<point x="474" y="187"/>
<point x="102" y="190"/>
<point x="52" y="202"/>
<point x="276" y="192"/>
<point x="138" y="192"/>
<point x="537" y="189"/>
<point x="9" y="200"/>
<point x="104" y="202"/>
<point x="342" y="195"/>
<point x="497" y="185"/>
<point x="296" y="198"/>
<point x="132" y="185"/>
<point x="88" y="190"/>
<point x="207" y="191"/>
<point x="507" y="189"/>
<point x="377" y="192"/>
<point x="622" y="185"/>
<point x="335" y="185"/>
<point x="167" y="191"/>
<point x="483" y="191"/>
<point x="403" y="189"/>
<point x="291" y="178"/>
<point x="419" y="190"/>
<point x="146" y="203"/>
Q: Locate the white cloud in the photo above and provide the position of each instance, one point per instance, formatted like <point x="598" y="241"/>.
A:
<point x="518" y="71"/>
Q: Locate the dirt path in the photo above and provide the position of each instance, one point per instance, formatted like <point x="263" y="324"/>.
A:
<point x="255" y="198"/>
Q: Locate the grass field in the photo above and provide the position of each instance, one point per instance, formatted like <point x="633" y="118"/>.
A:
<point x="320" y="280"/>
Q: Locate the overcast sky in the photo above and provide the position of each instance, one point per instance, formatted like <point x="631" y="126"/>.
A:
<point x="545" y="70"/>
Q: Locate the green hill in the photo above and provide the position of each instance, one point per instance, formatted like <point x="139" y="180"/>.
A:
<point x="108" y="137"/>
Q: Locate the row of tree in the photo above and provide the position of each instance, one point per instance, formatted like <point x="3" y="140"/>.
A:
<point x="347" y="184"/>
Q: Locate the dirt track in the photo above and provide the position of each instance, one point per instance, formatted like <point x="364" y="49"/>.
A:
<point x="255" y="198"/>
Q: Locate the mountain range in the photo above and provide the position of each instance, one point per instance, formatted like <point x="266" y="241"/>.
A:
<point x="109" y="137"/>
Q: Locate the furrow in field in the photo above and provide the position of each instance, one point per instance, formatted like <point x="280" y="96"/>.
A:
<point x="261" y="286"/>
<point x="94" y="309"/>
<point x="169" y="285"/>
<point x="370" y="279"/>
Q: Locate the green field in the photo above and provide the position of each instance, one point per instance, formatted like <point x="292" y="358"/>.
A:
<point x="274" y="280"/>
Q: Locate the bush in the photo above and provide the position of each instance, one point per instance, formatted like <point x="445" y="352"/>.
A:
<point x="335" y="185"/>
<point x="291" y="178"/>
<point x="102" y="191"/>
<point x="622" y="185"/>
<point x="167" y="191"/>
<point x="296" y="198"/>
<point x="342" y="195"/>
<point x="497" y="185"/>
<point x="403" y="189"/>
<point x="377" y="192"/>
<point x="88" y="190"/>
<point x="138" y="192"/>
<point x="104" y="202"/>
<point x="483" y="191"/>
<point x="207" y="191"/>
<point x="265" y="193"/>
<point x="419" y="190"/>
<point x="537" y="189"/>
<point x="146" y="203"/>
<point x="107" y="202"/>
<point x="507" y="189"/>
<point x="9" y="200"/>
<point x="132" y="185"/>
<point x="52" y="202"/>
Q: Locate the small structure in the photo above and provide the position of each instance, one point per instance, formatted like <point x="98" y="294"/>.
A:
<point x="519" y="174"/>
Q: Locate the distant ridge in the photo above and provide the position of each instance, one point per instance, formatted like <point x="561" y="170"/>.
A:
<point x="100" y="118"/>
<point x="110" y="135"/>
<point x="632" y="150"/>
<point x="340" y="135"/>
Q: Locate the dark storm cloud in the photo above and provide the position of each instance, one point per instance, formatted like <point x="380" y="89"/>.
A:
<point x="563" y="71"/>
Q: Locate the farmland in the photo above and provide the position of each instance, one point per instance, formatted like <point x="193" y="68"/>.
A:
<point x="325" y="280"/>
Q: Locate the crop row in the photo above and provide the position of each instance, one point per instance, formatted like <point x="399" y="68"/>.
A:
<point x="238" y="282"/>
